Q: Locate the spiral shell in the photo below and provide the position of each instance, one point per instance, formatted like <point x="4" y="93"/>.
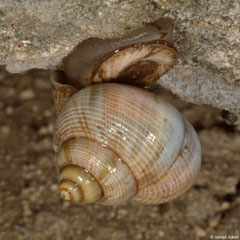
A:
<point x="139" y="58"/>
<point x="116" y="143"/>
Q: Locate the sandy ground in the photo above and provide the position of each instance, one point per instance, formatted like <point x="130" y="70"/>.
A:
<point x="31" y="208"/>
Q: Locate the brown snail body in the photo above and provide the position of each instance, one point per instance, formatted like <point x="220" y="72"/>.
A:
<point x="116" y="142"/>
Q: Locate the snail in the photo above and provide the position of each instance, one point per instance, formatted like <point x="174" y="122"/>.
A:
<point x="115" y="141"/>
<point x="138" y="58"/>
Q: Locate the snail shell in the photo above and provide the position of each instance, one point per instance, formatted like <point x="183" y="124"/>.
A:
<point x="139" y="58"/>
<point x="115" y="142"/>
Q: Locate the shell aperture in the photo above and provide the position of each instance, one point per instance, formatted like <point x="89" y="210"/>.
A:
<point x="83" y="66"/>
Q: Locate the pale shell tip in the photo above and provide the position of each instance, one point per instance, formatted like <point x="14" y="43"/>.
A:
<point x="70" y="191"/>
<point x="77" y="184"/>
<point x="65" y="194"/>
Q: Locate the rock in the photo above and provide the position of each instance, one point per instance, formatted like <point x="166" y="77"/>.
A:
<point x="200" y="233"/>
<point x="5" y="130"/>
<point x="122" y="213"/>
<point x="27" y="94"/>
<point x="225" y="206"/>
<point x="9" y="110"/>
<point x="11" y="92"/>
<point x="214" y="221"/>
<point x="139" y="236"/>
<point x="44" y="130"/>
<point x="39" y="35"/>
<point x="54" y="187"/>
<point x="43" y="144"/>
<point x="230" y="185"/>
<point x="161" y="234"/>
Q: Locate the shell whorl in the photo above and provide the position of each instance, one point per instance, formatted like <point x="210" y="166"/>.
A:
<point x="61" y="90"/>
<point x="139" y="64"/>
<point x="134" y="145"/>
<point x="114" y="178"/>
<point x="139" y="58"/>
<point x="77" y="184"/>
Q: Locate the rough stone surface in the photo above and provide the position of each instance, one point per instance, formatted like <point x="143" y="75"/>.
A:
<point x="30" y="205"/>
<point x="38" y="34"/>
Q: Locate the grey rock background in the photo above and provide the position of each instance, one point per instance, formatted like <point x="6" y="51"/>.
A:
<point x="38" y="34"/>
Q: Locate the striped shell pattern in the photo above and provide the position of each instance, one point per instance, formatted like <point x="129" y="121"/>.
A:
<point x="117" y="142"/>
<point x="134" y="149"/>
